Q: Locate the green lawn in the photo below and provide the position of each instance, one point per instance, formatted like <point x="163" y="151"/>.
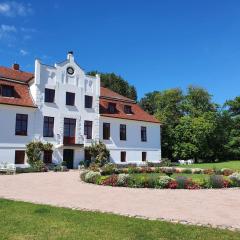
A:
<point x="21" y="220"/>
<point x="235" y="165"/>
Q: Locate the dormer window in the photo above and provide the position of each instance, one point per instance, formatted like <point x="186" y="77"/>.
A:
<point x="6" y="91"/>
<point x="111" y="107"/>
<point x="128" y="109"/>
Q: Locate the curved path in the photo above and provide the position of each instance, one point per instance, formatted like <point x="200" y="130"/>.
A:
<point x="215" y="207"/>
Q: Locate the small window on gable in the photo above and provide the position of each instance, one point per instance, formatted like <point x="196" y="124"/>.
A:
<point x="128" y="109"/>
<point x="88" y="101"/>
<point x="111" y="107"/>
<point x="49" y="95"/>
<point x="70" y="98"/>
<point x="6" y="91"/>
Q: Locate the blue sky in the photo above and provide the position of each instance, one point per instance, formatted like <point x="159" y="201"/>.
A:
<point x="153" y="44"/>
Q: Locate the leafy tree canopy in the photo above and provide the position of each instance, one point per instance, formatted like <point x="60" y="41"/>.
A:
<point x="234" y="106"/>
<point x="117" y="84"/>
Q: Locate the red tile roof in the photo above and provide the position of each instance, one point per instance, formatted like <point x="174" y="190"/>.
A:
<point x="10" y="73"/>
<point x="138" y="113"/>
<point x="22" y="96"/>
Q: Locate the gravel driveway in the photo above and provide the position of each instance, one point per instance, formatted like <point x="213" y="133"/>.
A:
<point x="215" y="207"/>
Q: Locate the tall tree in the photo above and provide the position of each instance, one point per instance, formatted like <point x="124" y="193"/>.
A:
<point x="198" y="101"/>
<point x="234" y="106"/>
<point x="117" y="84"/>
<point x="166" y="106"/>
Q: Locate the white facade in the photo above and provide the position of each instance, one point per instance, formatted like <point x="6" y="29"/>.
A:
<point x="57" y="78"/>
<point x="133" y="146"/>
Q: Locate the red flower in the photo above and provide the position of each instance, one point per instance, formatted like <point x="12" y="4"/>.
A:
<point x="172" y="184"/>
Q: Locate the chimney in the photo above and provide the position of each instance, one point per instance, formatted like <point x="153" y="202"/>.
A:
<point x="16" y="66"/>
<point x="70" y="55"/>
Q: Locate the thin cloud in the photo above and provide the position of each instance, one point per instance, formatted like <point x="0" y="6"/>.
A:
<point x="23" y="52"/>
<point x="14" y="9"/>
<point x="6" y="31"/>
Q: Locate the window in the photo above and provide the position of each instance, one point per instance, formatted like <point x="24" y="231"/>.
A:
<point x="106" y="131"/>
<point x="70" y="98"/>
<point x="144" y="156"/>
<point x="47" y="156"/>
<point x="143" y="134"/>
<point x="21" y="124"/>
<point x="69" y="127"/>
<point x="48" y="126"/>
<point x="49" y="95"/>
<point x="111" y="107"/>
<point x="19" y="157"/>
<point x="88" y="129"/>
<point x="127" y="109"/>
<point x="123" y="132"/>
<point x="123" y="156"/>
<point x="6" y="91"/>
<point x="88" y="101"/>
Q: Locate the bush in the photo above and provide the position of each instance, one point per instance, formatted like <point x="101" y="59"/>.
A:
<point x="218" y="181"/>
<point x="82" y="175"/>
<point x="92" y="177"/>
<point x="181" y="182"/>
<point x="99" y="152"/>
<point x="111" y="180"/>
<point x="25" y="170"/>
<point x="168" y="170"/>
<point x="226" y="171"/>
<point x="208" y="171"/>
<point x="163" y="181"/>
<point x="235" y="178"/>
<point x="34" y="151"/>
<point x="123" y="179"/>
<point x="172" y="184"/>
<point x="187" y="170"/>
<point x="197" y="170"/>
<point x="145" y="182"/>
<point x="108" y="169"/>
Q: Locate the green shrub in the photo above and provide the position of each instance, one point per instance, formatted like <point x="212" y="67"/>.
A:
<point x="57" y="168"/>
<point x="100" y="154"/>
<point x="108" y="169"/>
<point x="83" y="174"/>
<point x="123" y="179"/>
<point x="146" y="182"/>
<point x="235" y="178"/>
<point x="181" y="181"/>
<point x="187" y="170"/>
<point x="163" y="181"/>
<point x="218" y="181"/>
<point x="92" y="177"/>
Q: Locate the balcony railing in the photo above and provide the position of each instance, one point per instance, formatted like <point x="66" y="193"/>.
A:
<point x="69" y="140"/>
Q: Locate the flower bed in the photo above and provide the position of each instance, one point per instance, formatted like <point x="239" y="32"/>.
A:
<point x="162" y="178"/>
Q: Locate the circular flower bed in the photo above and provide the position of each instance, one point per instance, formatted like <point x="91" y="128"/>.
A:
<point x="162" y="177"/>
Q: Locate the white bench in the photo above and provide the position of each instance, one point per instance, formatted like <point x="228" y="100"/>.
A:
<point x="182" y="162"/>
<point x="8" y="168"/>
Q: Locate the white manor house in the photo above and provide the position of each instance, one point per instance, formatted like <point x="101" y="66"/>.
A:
<point x="62" y="105"/>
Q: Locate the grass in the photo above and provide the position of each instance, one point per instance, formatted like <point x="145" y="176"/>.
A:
<point x="235" y="165"/>
<point x="198" y="177"/>
<point x="21" y="220"/>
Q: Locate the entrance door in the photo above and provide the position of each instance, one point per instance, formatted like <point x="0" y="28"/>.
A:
<point x="68" y="157"/>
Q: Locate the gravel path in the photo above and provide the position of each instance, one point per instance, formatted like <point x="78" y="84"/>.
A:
<point x="215" y="207"/>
